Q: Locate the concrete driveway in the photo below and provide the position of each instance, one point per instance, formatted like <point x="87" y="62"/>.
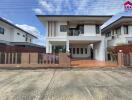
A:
<point x="62" y="84"/>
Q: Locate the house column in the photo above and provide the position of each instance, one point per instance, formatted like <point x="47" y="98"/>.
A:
<point x="122" y="30"/>
<point x="47" y="46"/>
<point x="67" y="46"/>
<point x="50" y="48"/>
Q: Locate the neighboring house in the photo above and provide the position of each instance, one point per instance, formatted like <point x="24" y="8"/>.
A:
<point x="118" y="30"/>
<point x="79" y="35"/>
<point x="12" y="35"/>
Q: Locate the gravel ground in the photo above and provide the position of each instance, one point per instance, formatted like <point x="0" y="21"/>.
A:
<point x="66" y="84"/>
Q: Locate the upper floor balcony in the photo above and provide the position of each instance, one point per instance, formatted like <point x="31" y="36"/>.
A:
<point x="79" y="30"/>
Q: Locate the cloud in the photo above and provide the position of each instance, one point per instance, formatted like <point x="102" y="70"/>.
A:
<point x="34" y="31"/>
<point x="38" y="11"/>
<point x="47" y="6"/>
<point x="81" y="7"/>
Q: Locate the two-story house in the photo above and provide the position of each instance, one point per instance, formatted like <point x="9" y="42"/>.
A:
<point x="78" y="34"/>
<point x="12" y="35"/>
<point x="118" y="29"/>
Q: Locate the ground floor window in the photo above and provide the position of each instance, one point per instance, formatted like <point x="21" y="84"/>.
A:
<point x="77" y="50"/>
<point x="81" y="50"/>
<point x="73" y="50"/>
<point x="57" y="49"/>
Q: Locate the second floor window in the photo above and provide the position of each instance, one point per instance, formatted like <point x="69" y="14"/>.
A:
<point x="63" y="28"/>
<point x="30" y="40"/>
<point x="2" y="30"/>
<point x="81" y="29"/>
<point x="118" y="31"/>
<point x="26" y="39"/>
<point x="126" y="29"/>
<point x="108" y="34"/>
<point x="23" y="35"/>
<point x="97" y="29"/>
<point x="18" y="33"/>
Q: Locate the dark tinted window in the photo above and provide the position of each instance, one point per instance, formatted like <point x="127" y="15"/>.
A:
<point x="81" y="50"/>
<point x="63" y="28"/>
<point x="126" y="29"/>
<point x="86" y="51"/>
<point x="77" y="50"/>
<point x="73" y="50"/>
<point x="97" y="29"/>
<point x="2" y="30"/>
<point x="18" y="33"/>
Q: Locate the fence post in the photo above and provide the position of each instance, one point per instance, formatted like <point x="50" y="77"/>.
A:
<point x="33" y="58"/>
<point x="25" y="58"/>
<point x="120" y="59"/>
<point x="130" y="59"/>
<point x="64" y="60"/>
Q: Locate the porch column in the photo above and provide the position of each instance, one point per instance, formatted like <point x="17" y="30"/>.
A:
<point x="122" y="30"/>
<point x="47" y="46"/>
<point x="67" y="46"/>
<point x="50" y="48"/>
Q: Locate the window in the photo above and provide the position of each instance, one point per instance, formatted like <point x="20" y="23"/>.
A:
<point x="30" y="40"/>
<point x="18" y="33"/>
<point x="23" y="35"/>
<point x="1" y="30"/>
<point x="81" y="29"/>
<point x="73" y="50"/>
<point x="97" y="29"/>
<point x="108" y="34"/>
<point x="86" y="51"/>
<point x="26" y="38"/>
<point x="126" y="29"/>
<point x="118" y="31"/>
<point x="63" y="28"/>
<point x="77" y="50"/>
<point x="81" y="50"/>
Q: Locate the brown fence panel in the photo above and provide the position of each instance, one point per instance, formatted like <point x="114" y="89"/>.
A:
<point x="10" y="58"/>
<point x="34" y="59"/>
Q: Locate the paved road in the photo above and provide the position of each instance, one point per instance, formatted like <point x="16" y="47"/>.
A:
<point x="79" y="84"/>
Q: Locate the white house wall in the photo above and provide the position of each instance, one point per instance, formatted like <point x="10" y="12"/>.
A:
<point x="20" y="37"/>
<point x="58" y="32"/>
<point x="99" y="50"/>
<point x="10" y="34"/>
<point x="130" y="30"/>
<point x="89" y="30"/>
<point x="7" y="32"/>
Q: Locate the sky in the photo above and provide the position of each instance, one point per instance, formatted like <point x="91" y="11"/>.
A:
<point x="23" y="12"/>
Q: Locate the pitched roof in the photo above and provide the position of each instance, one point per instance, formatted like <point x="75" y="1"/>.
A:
<point x="128" y="3"/>
<point x="7" y="22"/>
<point x="116" y="18"/>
